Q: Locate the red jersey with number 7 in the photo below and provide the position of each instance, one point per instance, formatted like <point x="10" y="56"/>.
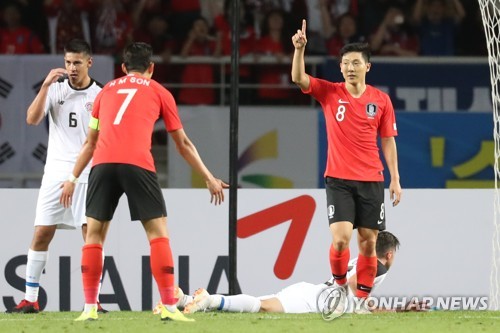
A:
<point x="127" y="109"/>
<point x="352" y="127"/>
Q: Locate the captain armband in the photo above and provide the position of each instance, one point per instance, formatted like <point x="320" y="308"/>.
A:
<point x="94" y="123"/>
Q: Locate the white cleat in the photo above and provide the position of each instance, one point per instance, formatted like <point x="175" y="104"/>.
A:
<point x="201" y="302"/>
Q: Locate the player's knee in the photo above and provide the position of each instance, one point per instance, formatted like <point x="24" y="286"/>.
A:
<point x="367" y="247"/>
<point x="340" y="244"/>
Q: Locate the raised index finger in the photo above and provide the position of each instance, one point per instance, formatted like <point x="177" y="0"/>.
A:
<point x="303" y="27"/>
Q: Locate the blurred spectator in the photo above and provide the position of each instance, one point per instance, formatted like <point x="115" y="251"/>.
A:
<point x="472" y="41"/>
<point x="183" y="13"/>
<point x="222" y="24"/>
<point x="394" y="36"/>
<point x="67" y="19"/>
<point x="372" y="13"/>
<point x="274" y="41"/>
<point x="155" y="31"/>
<point x="345" y="33"/>
<point x="312" y="11"/>
<point x="16" y="38"/>
<point x="199" y="43"/>
<point x="436" y="22"/>
<point x="111" y="27"/>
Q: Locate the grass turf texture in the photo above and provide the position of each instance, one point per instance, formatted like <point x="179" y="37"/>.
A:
<point x="146" y="322"/>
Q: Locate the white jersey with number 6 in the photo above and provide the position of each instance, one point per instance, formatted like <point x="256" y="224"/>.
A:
<point x="68" y="110"/>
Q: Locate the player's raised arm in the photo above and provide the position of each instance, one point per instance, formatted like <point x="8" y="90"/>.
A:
<point x="299" y="76"/>
<point x="36" y="110"/>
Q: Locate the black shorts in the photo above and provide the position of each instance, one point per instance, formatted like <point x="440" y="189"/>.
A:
<point x="107" y="183"/>
<point x="361" y="203"/>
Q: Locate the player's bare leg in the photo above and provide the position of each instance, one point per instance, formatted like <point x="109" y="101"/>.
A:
<point x="162" y="267"/>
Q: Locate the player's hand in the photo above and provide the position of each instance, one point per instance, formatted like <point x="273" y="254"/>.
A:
<point x="395" y="192"/>
<point x="216" y="187"/>
<point x="68" y="188"/>
<point x="54" y="75"/>
<point x="299" y="40"/>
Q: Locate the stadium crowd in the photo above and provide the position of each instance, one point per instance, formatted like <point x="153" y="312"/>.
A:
<point x="187" y="28"/>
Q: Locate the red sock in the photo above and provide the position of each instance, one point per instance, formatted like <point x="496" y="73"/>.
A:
<point x="91" y="271"/>
<point x="162" y="267"/>
<point x="366" y="270"/>
<point x="339" y="260"/>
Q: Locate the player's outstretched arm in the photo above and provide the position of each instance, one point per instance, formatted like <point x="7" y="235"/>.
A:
<point x="299" y="76"/>
<point x="36" y="110"/>
<point x="86" y="153"/>
<point x="188" y="151"/>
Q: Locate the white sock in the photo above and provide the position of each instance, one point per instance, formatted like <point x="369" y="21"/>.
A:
<point x="89" y="307"/>
<point x="239" y="303"/>
<point x="36" y="264"/>
<point x="184" y="300"/>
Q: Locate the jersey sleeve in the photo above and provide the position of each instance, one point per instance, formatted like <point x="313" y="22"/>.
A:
<point x="169" y="111"/>
<point x="49" y="100"/>
<point x="388" y="126"/>
<point x="319" y="89"/>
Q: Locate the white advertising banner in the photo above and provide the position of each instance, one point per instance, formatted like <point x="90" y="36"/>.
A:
<point x="23" y="148"/>
<point x="283" y="238"/>
<point x="278" y="146"/>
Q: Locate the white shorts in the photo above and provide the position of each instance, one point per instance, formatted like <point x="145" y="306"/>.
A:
<point x="50" y="212"/>
<point x="299" y="297"/>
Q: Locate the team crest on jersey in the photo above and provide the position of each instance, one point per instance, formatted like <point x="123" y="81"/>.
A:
<point x="88" y="106"/>
<point x="371" y="110"/>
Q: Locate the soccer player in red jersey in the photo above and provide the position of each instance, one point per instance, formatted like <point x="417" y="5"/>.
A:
<point x="119" y="140"/>
<point x="355" y="114"/>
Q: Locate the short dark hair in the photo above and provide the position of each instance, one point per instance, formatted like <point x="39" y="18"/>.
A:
<point x="137" y="57"/>
<point x="386" y="242"/>
<point x="364" y="48"/>
<point x="78" y="46"/>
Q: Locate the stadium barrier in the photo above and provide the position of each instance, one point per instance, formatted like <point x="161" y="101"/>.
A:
<point x="439" y="255"/>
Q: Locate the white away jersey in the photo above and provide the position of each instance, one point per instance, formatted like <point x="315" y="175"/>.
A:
<point x="69" y="111"/>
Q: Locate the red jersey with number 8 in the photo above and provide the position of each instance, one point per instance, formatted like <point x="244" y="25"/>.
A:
<point x="352" y="126"/>
<point x="127" y="109"/>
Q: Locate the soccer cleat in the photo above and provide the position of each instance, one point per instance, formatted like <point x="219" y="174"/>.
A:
<point x="25" y="307"/>
<point x="361" y="306"/>
<point x="201" y="301"/>
<point x="100" y="309"/>
<point x="175" y="316"/>
<point x="179" y="296"/>
<point x="88" y="316"/>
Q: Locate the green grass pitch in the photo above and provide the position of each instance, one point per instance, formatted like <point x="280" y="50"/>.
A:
<point x="146" y="322"/>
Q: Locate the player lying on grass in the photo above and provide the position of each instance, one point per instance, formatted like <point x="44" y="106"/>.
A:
<point x="301" y="297"/>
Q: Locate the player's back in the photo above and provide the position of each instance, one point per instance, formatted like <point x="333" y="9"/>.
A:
<point x="127" y="110"/>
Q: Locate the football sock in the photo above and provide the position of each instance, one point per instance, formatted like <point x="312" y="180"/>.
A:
<point x="36" y="264"/>
<point x="91" y="271"/>
<point x="366" y="270"/>
<point x="239" y="303"/>
<point x="100" y="278"/>
<point x="162" y="267"/>
<point x="339" y="260"/>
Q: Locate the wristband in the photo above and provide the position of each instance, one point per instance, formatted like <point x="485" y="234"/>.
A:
<point x="72" y="179"/>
